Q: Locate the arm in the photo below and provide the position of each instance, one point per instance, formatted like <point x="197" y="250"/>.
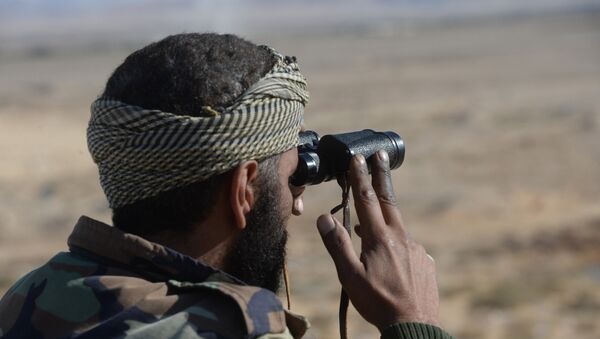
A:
<point x="392" y="284"/>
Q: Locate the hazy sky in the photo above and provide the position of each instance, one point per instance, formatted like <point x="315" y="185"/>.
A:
<point x="28" y="8"/>
<point x="45" y="22"/>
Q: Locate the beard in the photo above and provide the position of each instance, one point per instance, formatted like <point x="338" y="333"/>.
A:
<point x="259" y="256"/>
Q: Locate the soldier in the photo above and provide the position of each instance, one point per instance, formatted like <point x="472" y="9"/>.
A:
<point x="194" y="137"/>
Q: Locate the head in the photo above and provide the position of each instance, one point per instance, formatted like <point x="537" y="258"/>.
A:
<point x="236" y="219"/>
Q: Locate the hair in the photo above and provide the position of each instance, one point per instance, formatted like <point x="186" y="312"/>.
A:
<point x="180" y="74"/>
<point x="259" y="256"/>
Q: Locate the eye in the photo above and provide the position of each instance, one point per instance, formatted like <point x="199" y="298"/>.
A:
<point x="296" y="190"/>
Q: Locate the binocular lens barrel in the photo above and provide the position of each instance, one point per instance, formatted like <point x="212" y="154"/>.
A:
<point x="322" y="159"/>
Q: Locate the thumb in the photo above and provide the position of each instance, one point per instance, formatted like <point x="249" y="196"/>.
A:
<point x="338" y="244"/>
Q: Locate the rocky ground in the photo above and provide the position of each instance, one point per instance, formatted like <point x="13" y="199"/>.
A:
<point x="501" y="118"/>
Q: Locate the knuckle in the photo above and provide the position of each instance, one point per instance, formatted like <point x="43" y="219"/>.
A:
<point x="387" y="198"/>
<point x="338" y="241"/>
<point x="361" y="170"/>
<point x="415" y="247"/>
<point x="366" y="194"/>
<point x="378" y="167"/>
<point x="405" y="243"/>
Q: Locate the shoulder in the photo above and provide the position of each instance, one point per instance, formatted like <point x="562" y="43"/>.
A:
<point x="208" y="309"/>
<point x="48" y="297"/>
<point x="257" y="310"/>
<point x="70" y="296"/>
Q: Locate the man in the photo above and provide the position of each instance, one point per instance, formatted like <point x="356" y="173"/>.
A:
<point x="194" y="137"/>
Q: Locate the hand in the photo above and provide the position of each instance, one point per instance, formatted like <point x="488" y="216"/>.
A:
<point x="394" y="279"/>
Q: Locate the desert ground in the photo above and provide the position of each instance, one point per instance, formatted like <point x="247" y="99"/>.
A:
<point x="501" y="119"/>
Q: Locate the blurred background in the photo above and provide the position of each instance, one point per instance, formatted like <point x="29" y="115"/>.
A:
<point x="498" y="102"/>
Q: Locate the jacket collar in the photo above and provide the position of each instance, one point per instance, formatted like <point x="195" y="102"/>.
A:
<point x="153" y="261"/>
<point x="109" y="245"/>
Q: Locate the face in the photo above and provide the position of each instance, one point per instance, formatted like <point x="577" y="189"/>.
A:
<point x="259" y="256"/>
<point x="291" y="196"/>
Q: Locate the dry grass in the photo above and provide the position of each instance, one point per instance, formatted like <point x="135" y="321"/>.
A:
<point x="501" y="120"/>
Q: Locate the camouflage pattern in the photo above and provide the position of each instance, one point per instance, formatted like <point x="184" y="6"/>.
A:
<point x="113" y="284"/>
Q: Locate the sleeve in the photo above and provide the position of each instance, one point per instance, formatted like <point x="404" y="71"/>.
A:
<point x="285" y="335"/>
<point x="414" y="331"/>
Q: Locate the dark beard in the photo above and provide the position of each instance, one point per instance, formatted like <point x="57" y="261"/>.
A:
<point x="259" y="256"/>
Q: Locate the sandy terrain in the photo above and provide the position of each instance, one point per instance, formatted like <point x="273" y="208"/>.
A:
<point x="501" y="119"/>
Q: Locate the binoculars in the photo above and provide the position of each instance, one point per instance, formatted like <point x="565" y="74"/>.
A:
<point x="321" y="159"/>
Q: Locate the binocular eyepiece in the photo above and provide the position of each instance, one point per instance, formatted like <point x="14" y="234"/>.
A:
<point x="322" y="159"/>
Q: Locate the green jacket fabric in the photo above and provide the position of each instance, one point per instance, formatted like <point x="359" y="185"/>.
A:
<point x="112" y="284"/>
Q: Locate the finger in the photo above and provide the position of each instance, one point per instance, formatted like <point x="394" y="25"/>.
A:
<point x="382" y="183"/>
<point x="365" y="199"/>
<point x="338" y="244"/>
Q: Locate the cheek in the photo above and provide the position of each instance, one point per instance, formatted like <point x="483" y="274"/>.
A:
<point x="286" y="199"/>
<point x="287" y="165"/>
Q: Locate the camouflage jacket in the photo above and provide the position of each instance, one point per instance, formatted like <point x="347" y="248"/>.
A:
<point x="113" y="284"/>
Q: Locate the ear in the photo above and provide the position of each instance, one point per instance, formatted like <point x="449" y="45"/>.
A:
<point x="243" y="191"/>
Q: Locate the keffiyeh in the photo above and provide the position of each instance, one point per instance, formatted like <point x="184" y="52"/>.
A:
<point x="143" y="152"/>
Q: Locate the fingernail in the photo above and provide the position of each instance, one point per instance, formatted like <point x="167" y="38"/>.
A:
<point x="325" y="224"/>
<point x="361" y="159"/>
<point x="383" y="156"/>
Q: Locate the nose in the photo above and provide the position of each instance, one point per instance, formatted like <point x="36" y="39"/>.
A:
<point x="298" y="206"/>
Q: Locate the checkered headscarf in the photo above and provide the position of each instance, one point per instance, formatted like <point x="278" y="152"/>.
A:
<point x="143" y="152"/>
